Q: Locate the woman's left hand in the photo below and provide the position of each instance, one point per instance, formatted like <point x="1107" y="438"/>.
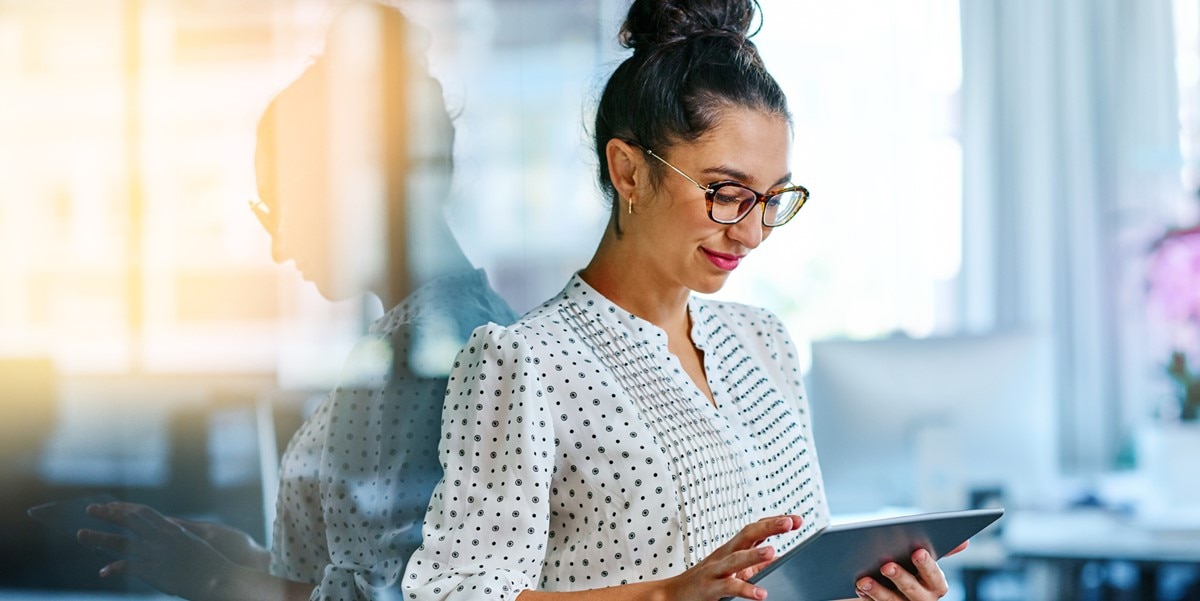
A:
<point x="927" y="583"/>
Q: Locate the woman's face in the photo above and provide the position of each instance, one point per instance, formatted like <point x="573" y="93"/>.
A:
<point x="299" y="206"/>
<point x="677" y="241"/>
<point x="332" y="174"/>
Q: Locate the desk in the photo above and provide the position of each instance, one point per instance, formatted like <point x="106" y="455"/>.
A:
<point x="1055" y="547"/>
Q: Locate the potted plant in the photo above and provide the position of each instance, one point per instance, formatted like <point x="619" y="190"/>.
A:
<point x="1173" y="297"/>
<point x="1173" y="293"/>
<point x="1186" y="384"/>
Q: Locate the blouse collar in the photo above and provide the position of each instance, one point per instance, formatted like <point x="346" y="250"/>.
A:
<point x="590" y="301"/>
<point x="448" y="294"/>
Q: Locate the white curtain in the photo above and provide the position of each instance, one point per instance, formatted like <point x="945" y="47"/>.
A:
<point x="1071" y="159"/>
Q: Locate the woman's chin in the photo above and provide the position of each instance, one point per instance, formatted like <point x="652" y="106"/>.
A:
<point x="326" y="289"/>
<point x="711" y="284"/>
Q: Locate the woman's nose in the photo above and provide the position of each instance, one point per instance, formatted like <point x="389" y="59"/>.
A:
<point x="749" y="232"/>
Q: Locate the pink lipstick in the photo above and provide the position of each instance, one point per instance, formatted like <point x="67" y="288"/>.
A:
<point x="722" y="260"/>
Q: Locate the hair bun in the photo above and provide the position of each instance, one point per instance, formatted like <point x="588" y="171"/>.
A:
<point x="655" y="23"/>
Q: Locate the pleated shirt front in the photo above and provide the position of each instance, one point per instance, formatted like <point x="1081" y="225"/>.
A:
<point x="578" y="453"/>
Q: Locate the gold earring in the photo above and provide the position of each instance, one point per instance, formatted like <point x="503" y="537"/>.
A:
<point x="630" y="205"/>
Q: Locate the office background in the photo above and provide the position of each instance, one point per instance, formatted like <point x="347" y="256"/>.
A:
<point x="969" y="279"/>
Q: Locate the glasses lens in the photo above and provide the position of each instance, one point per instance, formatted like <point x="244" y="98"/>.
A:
<point x="783" y="206"/>
<point x="263" y="213"/>
<point x="731" y="202"/>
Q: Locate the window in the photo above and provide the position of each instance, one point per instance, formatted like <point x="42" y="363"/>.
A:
<point x="126" y="243"/>
<point x="1187" y="65"/>
<point x="873" y="89"/>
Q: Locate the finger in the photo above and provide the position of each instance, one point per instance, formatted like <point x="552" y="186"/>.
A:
<point x="868" y="588"/>
<point x="113" y="543"/>
<point x="930" y="573"/>
<point x="141" y="519"/>
<point x="104" y="512"/>
<point x="905" y="581"/>
<point x="754" y="533"/>
<point x="958" y="549"/>
<point x="749" y="572"/>
<point x="116" y="512"/>
<point x="768" y="559"/>
<point x="736" y="562"/>
<point x="130" y="516"/>
<point x="732" y="587"/>
<point x="116" y="567"/>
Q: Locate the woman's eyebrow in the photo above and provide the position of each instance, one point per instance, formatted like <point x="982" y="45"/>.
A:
<point x="741" y="176"/>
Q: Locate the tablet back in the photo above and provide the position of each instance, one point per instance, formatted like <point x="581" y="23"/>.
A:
<point x="827" y="565"/>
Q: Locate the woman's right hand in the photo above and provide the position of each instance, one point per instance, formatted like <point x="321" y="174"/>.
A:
<point x="724" y="572"/>
<point x="158" y="551"/>
<point x="176" y="556"/>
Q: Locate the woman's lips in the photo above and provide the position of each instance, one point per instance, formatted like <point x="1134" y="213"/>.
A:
<point x="721" y="260"/>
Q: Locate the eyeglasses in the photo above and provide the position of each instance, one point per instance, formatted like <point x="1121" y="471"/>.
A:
<point x="263" y="213"/>
<point x="729" y="201"/>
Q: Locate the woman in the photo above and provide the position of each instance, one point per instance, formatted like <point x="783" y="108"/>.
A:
<point x="355" y="479"/>
<point x="626" y="439"/>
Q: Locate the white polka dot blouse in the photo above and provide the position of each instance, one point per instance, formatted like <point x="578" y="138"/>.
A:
<point x="356" y="478"/>
<point x="578" y="454"/>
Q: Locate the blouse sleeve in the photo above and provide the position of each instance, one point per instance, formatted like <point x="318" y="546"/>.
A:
<point x="486" y="528"/>
<point x="379" y="465"/>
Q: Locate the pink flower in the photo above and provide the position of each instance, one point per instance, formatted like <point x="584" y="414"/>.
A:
<point x="1174" y="295"/>
<point x="1174" y="277"/>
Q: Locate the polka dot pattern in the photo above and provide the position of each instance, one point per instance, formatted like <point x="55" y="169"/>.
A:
<point x="356" y="478"/>
<point x="578" y="453"/>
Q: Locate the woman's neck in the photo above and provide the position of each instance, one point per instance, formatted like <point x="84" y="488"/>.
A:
<point x="613" y="272"/>
<point x="440" y="256"/>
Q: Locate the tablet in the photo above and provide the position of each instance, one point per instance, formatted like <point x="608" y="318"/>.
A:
<point x="827" y="565"/>
<point x="69" y="516"/>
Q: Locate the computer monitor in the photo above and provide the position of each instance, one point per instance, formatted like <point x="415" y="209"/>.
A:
<point x="921" y="423"/>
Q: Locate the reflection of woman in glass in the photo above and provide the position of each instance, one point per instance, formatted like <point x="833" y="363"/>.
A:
<point x="628" y="440"/>
<point x="356" y="478"/>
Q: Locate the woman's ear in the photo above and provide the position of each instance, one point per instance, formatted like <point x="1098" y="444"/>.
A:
<point x="626" y="167"/>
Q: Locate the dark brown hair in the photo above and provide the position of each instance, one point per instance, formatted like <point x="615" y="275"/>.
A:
<point x="691" y="59"/>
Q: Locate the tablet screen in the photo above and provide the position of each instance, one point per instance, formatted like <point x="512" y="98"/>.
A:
<point x="70" y="515"/>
